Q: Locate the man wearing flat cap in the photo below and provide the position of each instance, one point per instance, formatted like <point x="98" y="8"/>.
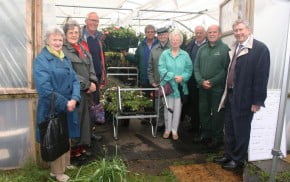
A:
<point x="153" y="74"/>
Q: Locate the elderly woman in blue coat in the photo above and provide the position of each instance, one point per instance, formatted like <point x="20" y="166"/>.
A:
<point x="176" y="65"/>
<point x="53" y="73"/>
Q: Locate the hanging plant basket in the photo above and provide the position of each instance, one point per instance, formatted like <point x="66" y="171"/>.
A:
<point x="119" y="38"/>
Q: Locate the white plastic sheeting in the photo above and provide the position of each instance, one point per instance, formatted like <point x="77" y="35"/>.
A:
<point x="271" y="20"/>
<point x="136" y="13"/>
<point x="14" y="133"/>
<point x="13" y="71"/>
<point x="15" y="122"/>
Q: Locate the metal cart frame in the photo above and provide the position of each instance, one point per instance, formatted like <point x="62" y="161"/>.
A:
<point x="119" y="114"/>
<point x="124" y="74"/>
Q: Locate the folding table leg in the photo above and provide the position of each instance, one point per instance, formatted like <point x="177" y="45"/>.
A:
<point x="115" y="127"/>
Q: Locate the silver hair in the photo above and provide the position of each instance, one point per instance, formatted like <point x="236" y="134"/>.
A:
<point x="149" y="27"/>
<point x="51" y="31"/>
<point x="70" y="24"/>
<point x="241" y="21"/>
<point x="176" y="32"/>
<point x="87" y="17"/>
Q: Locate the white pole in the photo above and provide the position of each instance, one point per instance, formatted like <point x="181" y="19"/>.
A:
<point x="276" y="152"/>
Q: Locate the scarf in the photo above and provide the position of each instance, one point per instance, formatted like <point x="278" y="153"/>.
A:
<point x="60" y="54"/>
<point x="81" y="49"/>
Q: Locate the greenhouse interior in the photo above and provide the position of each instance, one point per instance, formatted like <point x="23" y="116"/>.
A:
<point x="23" y="27"/>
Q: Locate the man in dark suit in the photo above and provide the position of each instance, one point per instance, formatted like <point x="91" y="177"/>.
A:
<point x="245" y="92"/>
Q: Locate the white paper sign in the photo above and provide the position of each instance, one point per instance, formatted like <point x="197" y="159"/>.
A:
<point x="263" y="129"/>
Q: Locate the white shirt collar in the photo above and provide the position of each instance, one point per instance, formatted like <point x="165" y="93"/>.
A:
<point x="200" y="43"/>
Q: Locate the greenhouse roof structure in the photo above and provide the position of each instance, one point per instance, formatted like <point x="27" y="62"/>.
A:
<point x="181" y="14"/>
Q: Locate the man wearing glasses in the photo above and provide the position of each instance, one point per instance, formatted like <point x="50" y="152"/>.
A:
<point x="142" y="53"/>
<point x="93" y="37"/>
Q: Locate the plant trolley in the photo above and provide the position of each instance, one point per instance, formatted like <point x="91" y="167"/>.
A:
<point x="121" y="113"/>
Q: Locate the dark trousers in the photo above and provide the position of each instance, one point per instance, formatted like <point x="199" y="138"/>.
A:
<point x="191" y="108"/>
<point x="212" y="121"/>
<point x="97" y="93"/>
<point x="237" y="131"/>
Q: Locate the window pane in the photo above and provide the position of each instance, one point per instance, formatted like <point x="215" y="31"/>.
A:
<point x="15" y="131"/>
<point x="13" y="63"/>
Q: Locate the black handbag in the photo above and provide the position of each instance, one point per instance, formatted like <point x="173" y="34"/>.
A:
<point x="54" y="139"/>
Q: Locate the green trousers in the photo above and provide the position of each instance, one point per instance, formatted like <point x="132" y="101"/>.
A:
<point x="212" y="121"/>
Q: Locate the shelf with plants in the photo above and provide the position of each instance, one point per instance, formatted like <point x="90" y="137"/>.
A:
<point x="116" y="59"/>
<point x="134" y="102"/>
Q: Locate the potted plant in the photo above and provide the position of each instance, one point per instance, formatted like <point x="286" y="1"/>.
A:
<point x="116" y="59"/>
<point x="119" y="38"/>
<point x="134" y="102"/>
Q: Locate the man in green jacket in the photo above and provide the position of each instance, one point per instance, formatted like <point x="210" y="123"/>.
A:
<point x="210" y="71"/>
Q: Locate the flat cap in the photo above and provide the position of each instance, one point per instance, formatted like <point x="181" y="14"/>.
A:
<point x="162" y="30"/>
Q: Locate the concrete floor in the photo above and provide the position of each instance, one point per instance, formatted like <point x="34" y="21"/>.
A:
<point x="144" y="153"/>
<point x="137" y="143"/>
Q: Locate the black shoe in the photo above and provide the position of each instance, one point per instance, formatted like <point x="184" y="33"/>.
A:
<point x="221" y="160"/>
<point x="232" y="165"/>
<point x="202" y="140"/>
<point x="214" y="144"/>
<point x="97" y="137"/>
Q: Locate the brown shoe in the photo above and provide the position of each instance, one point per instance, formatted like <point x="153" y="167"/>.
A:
<point x="166" y="134"/>
<point x="175" y="137"/>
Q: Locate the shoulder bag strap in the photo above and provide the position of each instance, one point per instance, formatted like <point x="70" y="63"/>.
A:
<point x="52" y="103"/>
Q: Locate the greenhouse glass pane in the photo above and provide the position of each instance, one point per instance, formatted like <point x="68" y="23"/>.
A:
<point x="13" y="63"/>
<point x="15" y="132"/>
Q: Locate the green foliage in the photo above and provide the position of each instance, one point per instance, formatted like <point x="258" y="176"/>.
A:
<point x="169" y="174"/>
<point x="134" y="101"/>
<point x="119" y="38"/>
<point x="29" y="172"/>
<point x="119" y="32"/>
<point x="131" y="101"/>
<point x="166" y="175"/>
<point x="105" y="170"/>
<point x="211" y="156"/>
<point x="283" y="176"/>
<point x="116" y="59"/>
<point x="187" y="162"/>
<point x="264" y="176"/>
<point x="255" y="171"/>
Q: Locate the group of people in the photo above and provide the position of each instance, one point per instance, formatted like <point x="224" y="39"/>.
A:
<point x="224" y="84"/>
<point x="205" y="78"/>
<point x="71" y="66"/>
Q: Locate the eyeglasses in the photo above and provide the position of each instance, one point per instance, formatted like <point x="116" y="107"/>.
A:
<point x="96" y="21"/>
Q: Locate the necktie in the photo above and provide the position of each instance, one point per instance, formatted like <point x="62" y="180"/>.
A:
<point x="230" y="81"/>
